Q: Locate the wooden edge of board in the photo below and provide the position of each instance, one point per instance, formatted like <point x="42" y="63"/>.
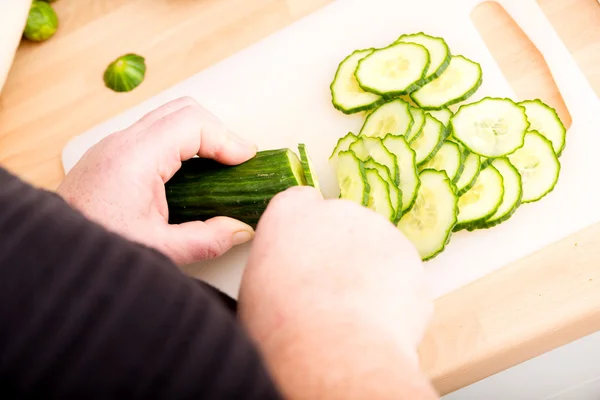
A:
<point x="541" y="302"/>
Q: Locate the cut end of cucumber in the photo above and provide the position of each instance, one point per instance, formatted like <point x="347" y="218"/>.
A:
<point x="429" y="223"/>
<point x="307" y="167"/>
<point x="513" y="192"/>
<point x="492" y="127"/>
<point x="296" y="167"/>
<point x="379" y="195"/>
<point x="429" y="141"/>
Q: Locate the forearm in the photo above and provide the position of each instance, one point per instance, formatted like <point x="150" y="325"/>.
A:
<point x="86" y="314"/>
<point x="343" y="360"/>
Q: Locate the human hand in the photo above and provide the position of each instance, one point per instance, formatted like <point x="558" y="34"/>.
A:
<point x="328" y="280"/>
<point x="119" y="182"/>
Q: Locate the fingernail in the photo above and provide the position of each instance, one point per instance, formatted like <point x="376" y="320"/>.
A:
<point x="240" y="237"/>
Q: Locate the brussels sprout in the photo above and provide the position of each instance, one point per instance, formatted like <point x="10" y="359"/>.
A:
<point x="42" y="22"/>
<point x="125" y="73"/>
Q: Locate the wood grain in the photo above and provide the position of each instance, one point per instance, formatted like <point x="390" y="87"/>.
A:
<point x="55" y="91"/>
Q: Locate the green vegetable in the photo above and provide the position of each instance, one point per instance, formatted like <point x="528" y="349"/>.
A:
<point x="352" y="178"/>
<point x="477" y="165"/>
<point x="125" y="73"/>
<point x="307" y="167"/>
<point x="42" y="22"/>
<point x="429" y="223"/>
<point x="203" y="188"/>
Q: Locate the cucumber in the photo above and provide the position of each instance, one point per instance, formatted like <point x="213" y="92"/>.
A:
<point x="457" y="83"/>
<point x="429" y="223"/>
<point x="393" y="117"/>
<point x="429" y="141"/>
<point x="352" y="178"/>
<point x="394" y="70"/>
<point x="513" y="193"/>
<point x="307" y="167"/>
<point x="450" y="159"/>
<point x="379" y="195"/>
<point x="346" y="95"/>
<point x="491" y="127"/>
<point x="395" y="193"/>
<point x="439" y="53"/>
<point x="343" y="144"/>
<point x="366" y="147"/>
<point x="418" y="123"/>
<point x="443" y="115"/>
<point x="469" y="174"/>
<point x="202" y="188"/>
<point x="407" y="167"/>
<point x="538" y="166"/>
<point x="481" y="201"/>
<point x="545" y="120"/>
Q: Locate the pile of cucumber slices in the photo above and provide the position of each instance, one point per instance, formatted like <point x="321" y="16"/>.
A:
<point x="429" y="170"/>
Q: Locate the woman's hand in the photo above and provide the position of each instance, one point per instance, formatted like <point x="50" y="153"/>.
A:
<point x="119" y="182"/>
<point x="335" y="297"/>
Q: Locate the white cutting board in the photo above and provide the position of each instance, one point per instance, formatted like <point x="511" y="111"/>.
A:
<point x="276" y="93"/>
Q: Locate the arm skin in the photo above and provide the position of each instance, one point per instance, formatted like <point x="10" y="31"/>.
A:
<point x="86" y="314"/>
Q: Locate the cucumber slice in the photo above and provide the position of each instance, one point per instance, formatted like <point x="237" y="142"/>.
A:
<point x="394" y="70"/>
<point x="481" y="201"/>
<point x="346" y="95"/>
<point x="470" y="173"/>
<point x="307" y="166"/>
<point x="343" y="144"/>
<point x="457" y="83"/>
<point x="513" y="192"/>
<point x="366" y="147"/>
<point x="491" y="127"/>
<point x="538" y="165"/>
<point x="409" y="178"/>
<point x="429" y="223"/>
<point x="418" y="123"/>
<point x="352" y="178"/>
<point x="430" y="141"/>
<point x="439" y="53"/>
<point x="395" y="193"/>
<point x="545" y="120"/>
<point x="379" y="195"/>
<point x="442" y="115"/>
<point x="450" y="159"/>
<point x="393" y="117"/>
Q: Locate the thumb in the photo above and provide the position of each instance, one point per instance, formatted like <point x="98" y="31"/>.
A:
<point x="202" y="240"/>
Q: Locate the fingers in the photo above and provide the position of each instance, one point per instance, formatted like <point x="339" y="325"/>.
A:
<point x="148" y="119"/>
<point x="196" y="241"/>
<point x="188" y="131"/>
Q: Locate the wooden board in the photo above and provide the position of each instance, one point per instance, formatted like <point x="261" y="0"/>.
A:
<point x="55" y="92"/>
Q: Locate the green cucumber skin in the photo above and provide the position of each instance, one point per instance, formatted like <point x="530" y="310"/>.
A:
<point x="564" y="142"/>
<point x="464" y="97"/>
<point x="486" y="163"/>
<point x="444" y="136"/>
<point x="442" y="67"/>
<point x="451" y="230"/>
<point x="490" y="224"/>
<point x="203" y="188"/>
<point x="358" y="109"/>
<point x="558" y="171"/>
<point x="461" y="168"/>
<point x="390" y="95"/>
<point x="476" y="224"/>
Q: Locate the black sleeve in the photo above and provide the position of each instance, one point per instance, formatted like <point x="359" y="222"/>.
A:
<point x="85" y="314"/>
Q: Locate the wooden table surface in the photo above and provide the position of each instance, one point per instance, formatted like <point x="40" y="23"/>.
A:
<point x="55" y="91"/>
